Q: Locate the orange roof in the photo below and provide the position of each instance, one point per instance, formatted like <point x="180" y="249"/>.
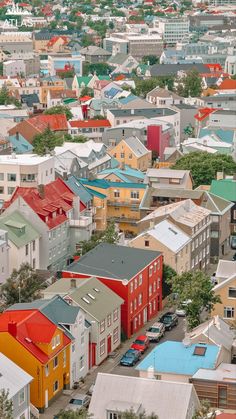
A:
<point x="90" y="123"/>
<point x="54" y="39"/>
<point x="30" y="328"/>
<point x="214" y="67"/>
<point x="228" y="84"/>
<point x="85" y="98"/>
<point x="57" y="122"/>
<point x="203" y="113"/>
<point x="67" y="93"/>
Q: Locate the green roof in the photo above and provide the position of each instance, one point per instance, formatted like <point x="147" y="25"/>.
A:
<point x="20" y="231"/>
<point x="104" y="78"/>
<point x="83" y="79"/>
<point x="225" y="188"/>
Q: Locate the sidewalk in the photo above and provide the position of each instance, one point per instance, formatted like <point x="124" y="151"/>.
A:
<point x="106" y="367"/>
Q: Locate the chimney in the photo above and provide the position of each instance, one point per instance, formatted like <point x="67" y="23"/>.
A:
<point x="12" y="328"/>
<point x="73" y="283"/>
<point x="41" y="191"/>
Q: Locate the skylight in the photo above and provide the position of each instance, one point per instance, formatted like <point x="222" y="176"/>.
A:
<point x="96" y="289"/>
<point x="86" y="300"/>
<point x="199" y="350"/>
<point x="91" y="296"/>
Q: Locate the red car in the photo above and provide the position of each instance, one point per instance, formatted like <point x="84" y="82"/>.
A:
<point x="141" y="343"/>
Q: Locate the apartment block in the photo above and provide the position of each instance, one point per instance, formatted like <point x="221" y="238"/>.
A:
<point x="172" y="30"/>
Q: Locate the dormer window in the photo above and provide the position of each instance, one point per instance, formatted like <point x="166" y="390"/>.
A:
<point x="54" y="214"/>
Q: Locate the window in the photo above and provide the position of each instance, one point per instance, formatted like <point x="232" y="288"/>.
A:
<point x="116" y="194"/>
<point x="140" y="299"/>
<point x="55" y="386"/>
<point x="135" y="283"/>
<point x="102" y="326"/>
<point x="46" y="370"/>
<point x="146" y="243"/>
<point x="140" y="279"/>
<point x="33" y="243"/>
<point x="131" y="287"/>
<point x="214" y="234"/>
<point x="33" y="263"/>
<point x="115" y="314"/>
<point x="81" y="362"/>
<point x="55" y="362"/>
<point x="122" y="155"/>
<point x="222" y="396"/>
<point x="1" y="176"/>
<point x="115" y="335"/>
<point x="1" y="190"/>
<point x="135" y="304"/>
<point x="134" y="194"/>
<point x="21" y="396"/>
<point x="229" y="312"/>
<point x="102" y="347"/>
<point x="150" y="290"/>
<point x="64" y="358"/>
<point x="131" y="307"/>
<point x="232" y="292"/>
<point x="150" y="270"/>
<point x="130" y="156"/>
<point x="109" y="320"/>
<point x="26" y="250"/>
<point x="11" y="177"/>
<point x="113" y="415"/>
<point x="10" y="190"/>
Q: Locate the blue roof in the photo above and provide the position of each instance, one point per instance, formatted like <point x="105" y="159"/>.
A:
<point x="112" y="92"/>
<point x="128" y="99"/>
<point x="125" y="174"/>
<point x="225" y="135"/>
<point x="105" y="184"/>
<point x="20" y="145"/>
<point x="174" y="358"/>
<point x="78" y="189"/>
<point x="96" y="193"/>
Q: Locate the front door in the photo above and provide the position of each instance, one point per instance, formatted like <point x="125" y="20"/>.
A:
<point x="46" y="399"/>
<point x="108" y="344"/>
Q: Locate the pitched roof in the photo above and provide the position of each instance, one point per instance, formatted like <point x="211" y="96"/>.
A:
<point x="118" y="262"/>
<point x="163" y="93"/>
<point x="54" y="39"/>
<point x="105" y="184"/>
<point x="54" y="122"/>
<point x="32" y="328"/>
<point x="57" y="198"/>
<point x="225" y="188"/>
<point x="12" y="377"/>
<point x="175" y="358"/>
<point x="216" y="330"/>
<point x="136" y="146"/>
<point x="215" y="204"/>
<point x="83" y="80"/>
<point x="90" y="123"/>
<point x="225" y="269"/>
<point x="20" y="231"/>
<point x="164" y="398"/>
<point x="227" y="84"/>
<point x="78" y="189"/>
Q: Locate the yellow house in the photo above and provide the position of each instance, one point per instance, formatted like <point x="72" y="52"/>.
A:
<point x="123" y="201"/>
<point x="39" y="347"/>
<point x="100" y="205"/>
<point x="50" y="84"/>
<point x="227" y="292"/>
<point x="131" y="151"/>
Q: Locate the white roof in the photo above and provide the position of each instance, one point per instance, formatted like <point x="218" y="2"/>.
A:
<point x="12" y="377"/>
<point x="224" y="372"/>
<point x="169" y="235"/>
<point x="167" y="173"/>
<point x="216" y="330"/>
<point x="164" y="398"/>
<point x="24" y="159"/>
<point x="80" y="149"/>
<point x="225" y="268"/>
<point x="144" y="123"/>
<point x="200" y="147"/>
<point x="207" y="141"/>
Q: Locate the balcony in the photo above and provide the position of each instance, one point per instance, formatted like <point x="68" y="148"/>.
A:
<point x="134" y="203"/>
<point x="124" y="220"/>
<point x="82" y="222"/>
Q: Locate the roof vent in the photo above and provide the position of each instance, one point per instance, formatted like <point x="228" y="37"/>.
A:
<point x="28" y="340"/>
<point x="199" y="350"/>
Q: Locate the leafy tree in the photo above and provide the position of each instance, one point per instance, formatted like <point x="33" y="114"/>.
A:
<point x="86" y="91"/>
<point x="197" y="288"/>
<point x="190" y="85"/>
<point x="168" y="274"/>
<point x="78" y="414"/>
<point x="102" y="69"/>
<point x="130" y="414"/>
<point x="110" y="235"/>
<point x="59" y="110"/>
<point x="46" y="142"/>
<point x="79" y="139"/>
<point x="151" y="59"/>
<point x="204" y="411"/>
<point x="6" y="407"/>
<point x="204" y="166"/>
<point x="7" y="99"/>
<point x="86" y="40"/>
<point x="23" y="286"/>
<point x="145" y="86"/>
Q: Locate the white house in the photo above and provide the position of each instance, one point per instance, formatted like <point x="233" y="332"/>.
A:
<point x="4" y="256"/>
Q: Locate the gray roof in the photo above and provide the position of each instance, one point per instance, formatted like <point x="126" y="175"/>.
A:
<point x="42" y="36"/>
<point x="93" y="50"/>
<point x="113" y="261"/>
<point x="136" y="146"/>
<point x="164" y="93"/>
<point x="146" y="113"/>
<point x="119" y="58"/>
<point x="225" y="373"/>
<point x="164" y="398"/>
<point x="12" y="377"/>
<point x="215" y="330"/>
<point x="164" y="69"/>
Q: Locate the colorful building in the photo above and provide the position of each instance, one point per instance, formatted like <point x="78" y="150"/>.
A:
<point x="132" y="152"/>
<point x="133" y="274"/>
<point x="41" y="349"/>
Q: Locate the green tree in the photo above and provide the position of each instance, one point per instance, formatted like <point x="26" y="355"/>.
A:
<point x="103" y="69"/>
<point x="79" y="139"/>
<point x="195" y="287"/>
<point x="145" y="86"/>
<point x="59" y="110"/>
<point x="204" y="166"/>
<point x="6" y="406"/>
<point x="46" y="142"/>
<point x="190" y="85"/>
<point x="204" y="411"/>
<point x="86" y="40"/>
<point x="130" y="414"/>
<point x="23" y="286"/>
<point x="150" y="59"/>
<point x="110" y="235"/>
<point x="86" y="91"/>
<point x="168" y="274"/>
<point x="7" y="99"/>
<point x="78" y="414"/>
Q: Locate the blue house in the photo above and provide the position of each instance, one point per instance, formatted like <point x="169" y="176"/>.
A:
<point x="174" y="361"/>
<point x="19" y="144"/>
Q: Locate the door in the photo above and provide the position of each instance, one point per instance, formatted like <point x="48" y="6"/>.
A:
<point x="108" y="344"/>
<point x="46" y="399"/>
<point x="222" y="397"/>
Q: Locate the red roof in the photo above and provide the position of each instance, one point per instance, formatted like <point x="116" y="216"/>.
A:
<point x="228" y="84"/>
<point x="52" y="205"/>
<point x="203" y="113"/>
<point x="214" y="74"/>
<point x="214" y="67"/>
<point x="85" y="98"/>
<point x="90" y="123"/>
<point x="54" y="39"/>
<point x="54" y="122"/>
<point x="31" y="328"/>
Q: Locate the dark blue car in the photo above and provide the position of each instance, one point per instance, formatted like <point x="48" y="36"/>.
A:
<point x="130" y="357"/>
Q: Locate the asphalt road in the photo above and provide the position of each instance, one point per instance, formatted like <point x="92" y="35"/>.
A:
<point x="176" y="334"/>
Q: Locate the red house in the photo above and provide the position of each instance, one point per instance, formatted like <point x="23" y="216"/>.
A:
<point x="133" y="274"/>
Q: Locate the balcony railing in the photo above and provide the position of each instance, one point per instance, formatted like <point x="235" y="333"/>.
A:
<point x="131" y="203"/>
<point x="82" y="222"/>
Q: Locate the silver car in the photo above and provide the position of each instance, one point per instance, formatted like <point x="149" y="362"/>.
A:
<point x="155" y="332"/>
<point x="78" y="402"/>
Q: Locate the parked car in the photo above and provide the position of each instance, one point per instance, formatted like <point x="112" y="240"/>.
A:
<point x="130" y="358"/>
<point x="141" y="343"/>
<point x="234" y="257"/>
<point x="233" y="242"/>
<point x="78" y="402"/>
<point x="169" y="320"/>
<point x="181" y="310"/>
<point x="155" y="332"/>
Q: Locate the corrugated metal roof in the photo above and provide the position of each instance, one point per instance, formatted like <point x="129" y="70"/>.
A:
<point x="12" y="377"/>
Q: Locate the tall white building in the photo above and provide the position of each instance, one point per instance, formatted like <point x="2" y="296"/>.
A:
<point x="172" y="30"/>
